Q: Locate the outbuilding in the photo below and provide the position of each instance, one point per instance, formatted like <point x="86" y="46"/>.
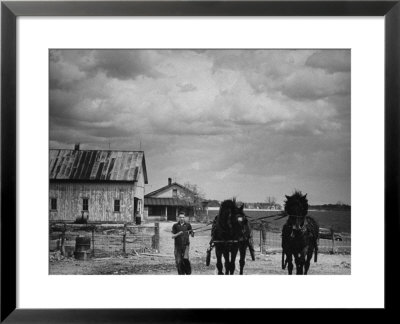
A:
<point x="97" y="185"/>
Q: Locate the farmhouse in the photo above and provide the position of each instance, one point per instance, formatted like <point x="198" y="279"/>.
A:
<point x="166" y="202"/>
<point x="101" y="186"/>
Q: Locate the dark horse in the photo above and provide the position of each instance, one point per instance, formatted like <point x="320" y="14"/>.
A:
<point x="299" y="235"/>
<point x="231" y="233"/>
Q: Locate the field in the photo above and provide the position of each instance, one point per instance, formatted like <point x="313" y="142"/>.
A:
<point x="339" y="221"/>
<point x="164" y="264"/>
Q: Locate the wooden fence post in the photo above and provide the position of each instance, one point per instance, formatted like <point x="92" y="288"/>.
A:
<point x="156" y="242"/>
<point x="124" y="240"/>
<point x="264" y="236"/>
<point x="62" y="247"/>
<point x="333" y="241"/>
<point x="93" y="253"/>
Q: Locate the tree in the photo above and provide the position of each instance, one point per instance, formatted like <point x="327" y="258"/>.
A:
<point x="271" y="202"/>
<point x="194" y="195"/>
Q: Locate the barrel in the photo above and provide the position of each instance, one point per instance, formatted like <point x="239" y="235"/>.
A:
<point x="82" y="247"/>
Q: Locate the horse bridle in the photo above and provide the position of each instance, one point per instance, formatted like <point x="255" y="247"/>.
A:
<point x="302" y="228"/>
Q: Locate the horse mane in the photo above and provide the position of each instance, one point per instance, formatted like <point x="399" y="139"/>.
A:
<point x="296" y="204"/>
<point x="227" y="224"/>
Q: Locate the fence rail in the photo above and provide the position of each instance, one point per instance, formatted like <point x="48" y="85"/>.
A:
<point x="105" y="239"/>
<point x="272" y="242"/>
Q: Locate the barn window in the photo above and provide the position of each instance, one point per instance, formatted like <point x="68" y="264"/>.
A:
<point x="53" y="204"/>
<point x="85" y="204"/>
<point x="117" y="205"/>
<point x="174" y="193"/>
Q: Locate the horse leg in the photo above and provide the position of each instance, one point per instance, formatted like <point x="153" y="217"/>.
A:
<point x="242" y="260"/>
<point x="315" y="252"/>
<point x="289" y="260"/>
<point x="234" y="252"/>
<point x="218" y="254"/>
<point x="227" y="263"/>
<point x="300" y="260"/>
<point x="308" y="259"/>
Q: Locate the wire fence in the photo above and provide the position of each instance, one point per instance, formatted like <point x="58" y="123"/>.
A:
<point x="103" y="240"/>
<point x="272" y="242"/>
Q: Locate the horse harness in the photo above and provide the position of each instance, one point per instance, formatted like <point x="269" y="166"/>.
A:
<point x="301" y="228"/>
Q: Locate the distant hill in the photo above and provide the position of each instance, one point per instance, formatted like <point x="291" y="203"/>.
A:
<point x="336" y="207"/>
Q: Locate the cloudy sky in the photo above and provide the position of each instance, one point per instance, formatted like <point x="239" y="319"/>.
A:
<point x="244" y="123"/>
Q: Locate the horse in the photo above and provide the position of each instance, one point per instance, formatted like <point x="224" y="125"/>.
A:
<point x="300" y="235"/>
<point x="231" y="234"/>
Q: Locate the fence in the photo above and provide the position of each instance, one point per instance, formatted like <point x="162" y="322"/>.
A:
<point x="106" y="239"/>
<point x="269" y="242"/>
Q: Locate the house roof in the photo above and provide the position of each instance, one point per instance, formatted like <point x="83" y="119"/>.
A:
<point x="166" y="188"/>
<point x="96" y="165"/>
<point x="166" y="202"/>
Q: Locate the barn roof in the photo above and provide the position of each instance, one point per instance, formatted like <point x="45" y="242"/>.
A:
<point x="96" y="165"/>
<point x="166" y="202"/>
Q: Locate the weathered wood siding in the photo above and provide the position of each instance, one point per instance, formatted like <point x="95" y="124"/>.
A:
<point x="101" y="201"/>
<point x="139" y="192"/>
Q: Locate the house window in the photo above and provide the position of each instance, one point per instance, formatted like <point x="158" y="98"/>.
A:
<point x="117" y="205"/>
<point x="53" y="204"/>
<point x="85" y="204"/>
<point x="156" y="210"/>
<point x="174" y="193"/>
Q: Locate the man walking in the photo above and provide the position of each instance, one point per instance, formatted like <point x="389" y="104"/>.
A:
<point x="180" y="232"/>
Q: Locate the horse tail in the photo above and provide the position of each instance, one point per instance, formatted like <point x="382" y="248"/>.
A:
<point x="315" y="253"/>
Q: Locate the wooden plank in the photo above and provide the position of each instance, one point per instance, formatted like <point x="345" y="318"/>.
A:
<point x="110" y="172"/>
<point x="63" y="166"/>
<point x="81" y="165"/>
<point x="69" y="162"/>
<point x="117" y="165"/>
<point x="95" y="165"/>
<point x="105" y="167"/>
<point x="53" y="161"/>
<point x="100" y="171"/>
<point x="59" y="166"/>
<point x="124" y="170"/>
<point x="77" y="158"/>
<point x="86" y="173"/>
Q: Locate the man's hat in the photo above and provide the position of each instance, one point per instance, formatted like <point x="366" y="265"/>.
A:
<point x="181" y="213"/>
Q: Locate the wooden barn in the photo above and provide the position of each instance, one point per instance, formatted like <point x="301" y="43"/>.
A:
<point x="103" y="186"/>
<point x="166" y="202"/>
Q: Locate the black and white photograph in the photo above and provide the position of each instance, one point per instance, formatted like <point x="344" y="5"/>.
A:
<point x="199" y="161"/>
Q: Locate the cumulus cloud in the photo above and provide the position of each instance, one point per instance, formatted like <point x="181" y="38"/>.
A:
<point x="331" y="61"/>
<point x="186" y="87"/>
<point x="229" y="115"/>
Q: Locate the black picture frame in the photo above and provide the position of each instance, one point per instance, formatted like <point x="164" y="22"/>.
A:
<point x="10" y="11"/>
